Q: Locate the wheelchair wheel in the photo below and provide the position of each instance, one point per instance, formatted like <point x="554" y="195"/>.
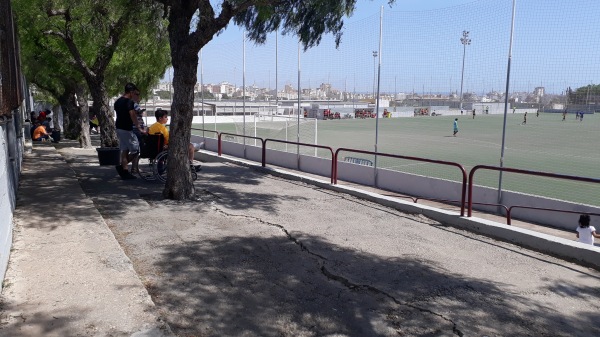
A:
<point x="160" y="166"/>
<point x="145" y="169"/>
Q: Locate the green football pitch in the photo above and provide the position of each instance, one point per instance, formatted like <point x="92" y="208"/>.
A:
<point x="544" y="143"/>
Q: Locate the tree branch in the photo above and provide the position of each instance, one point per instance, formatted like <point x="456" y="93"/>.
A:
<point x="114" y="35"/>
<point x="67" y="38"/>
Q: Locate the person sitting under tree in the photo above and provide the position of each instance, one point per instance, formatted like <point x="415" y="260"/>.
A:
<point x="40" y="133"/>
<point x="94" y="123"/>
<point x="162" y="116"/>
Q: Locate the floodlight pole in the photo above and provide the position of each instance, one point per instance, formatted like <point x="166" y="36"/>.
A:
<point x="374" y="72"/>
<point x="512" y="29"/>
<point x="465" y="41"/>
<point x="377" y="97"/>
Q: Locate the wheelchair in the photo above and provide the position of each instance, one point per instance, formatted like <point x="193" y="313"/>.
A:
<point x="152" y="161"/>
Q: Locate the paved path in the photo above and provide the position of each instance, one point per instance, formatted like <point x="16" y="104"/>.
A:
<point x="259" y="255"/>
<point x="67" y="275"/>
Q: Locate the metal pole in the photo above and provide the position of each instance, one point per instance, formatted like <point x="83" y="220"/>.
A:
<point x="286" y="132"/>
<point x="170" y="86"/>
<point x="299" y="93"/>
<point x="316" y="130"/>
<point x="465" y="41"/>
<point x="462" y="76"/>
<point x="202" y="91"/>
<point x="244" y="87"/>
<point x="395" y="93"/>
<point x="276" y="73"/>
<point x="512" y="29"/>
<point x="374" y="72"/>
<point x="354" y="94"/>
<point x="378" y="83"/>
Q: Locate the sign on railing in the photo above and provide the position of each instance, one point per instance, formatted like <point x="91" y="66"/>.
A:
<point x="358" y="161"/>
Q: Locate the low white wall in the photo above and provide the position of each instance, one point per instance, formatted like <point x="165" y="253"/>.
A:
<point x="6" y="203"/>
<point x="11" y="156"/>
<point x="563" y="220"/>
<point x="419" y="186"/>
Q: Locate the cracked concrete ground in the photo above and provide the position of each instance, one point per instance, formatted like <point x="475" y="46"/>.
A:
<point x="258" y="255"/>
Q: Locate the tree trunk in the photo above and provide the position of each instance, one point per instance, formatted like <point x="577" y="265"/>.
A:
<point x="85" y="141"/>
<point x="76" y="118"/>
<point x="184" y="58"/>
<point x="70" y="113"/>
<point x="108" y="135"/>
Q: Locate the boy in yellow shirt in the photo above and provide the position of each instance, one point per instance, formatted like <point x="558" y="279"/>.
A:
<point x="162" y="117"/>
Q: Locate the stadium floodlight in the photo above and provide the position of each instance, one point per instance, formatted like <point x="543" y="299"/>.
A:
<point x="465" y="40"/>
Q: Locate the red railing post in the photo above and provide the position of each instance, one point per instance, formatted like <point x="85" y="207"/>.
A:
<point x="297" y="143"/>
<point x="441" y="162"/>
<point x="520" y="171"/>
<point x="235" y="135"/>
<point x="264" y="153"/>
<point x="219" y="146"/>
<point x="470" y="203"/>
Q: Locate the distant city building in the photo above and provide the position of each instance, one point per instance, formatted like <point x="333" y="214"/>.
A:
<point x="539" y="91"/>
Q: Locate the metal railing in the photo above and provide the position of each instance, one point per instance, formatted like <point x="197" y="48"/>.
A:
<point x="205" y="130"/>
<point x="416" y="201"/>
<point x="220" y="146"/>
<point x="467" y="181"/>
<point x="264" y="152"/>
<point x="510" y="209"/>
<point x="520" y="171"/>
<point x="433" y="161"/>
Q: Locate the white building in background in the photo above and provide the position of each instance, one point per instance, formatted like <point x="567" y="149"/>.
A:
<point x="165" y="86"/>
<point x="400" y="96"/>
<point x="539" y="91"/>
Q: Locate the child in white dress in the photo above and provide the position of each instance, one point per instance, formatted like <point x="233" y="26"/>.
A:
<point x="585" y="232"/>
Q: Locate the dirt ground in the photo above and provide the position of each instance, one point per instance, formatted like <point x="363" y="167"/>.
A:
<point x="259" y="255"/>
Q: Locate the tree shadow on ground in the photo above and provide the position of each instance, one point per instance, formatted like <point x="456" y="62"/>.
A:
<point x="253" y="286"/>
<point x="49" y="191"/>
<point x="23" y="320"/>
<point x="103" y="183"/>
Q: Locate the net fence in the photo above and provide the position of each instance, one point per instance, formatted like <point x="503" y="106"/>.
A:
<point x="280" y="127"/>
<point x="426" y="66"/>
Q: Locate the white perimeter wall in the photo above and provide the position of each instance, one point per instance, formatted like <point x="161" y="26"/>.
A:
<point x="417" y="186"/>
<point x="11" y="155"/>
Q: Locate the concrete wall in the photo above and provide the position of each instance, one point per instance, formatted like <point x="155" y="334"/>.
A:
<point x="418" y="186"/>
<point x="11" y="156"/>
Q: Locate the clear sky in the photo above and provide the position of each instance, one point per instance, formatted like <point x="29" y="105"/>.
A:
<point x="366" y="8"/>
<point x="556" y="44"/>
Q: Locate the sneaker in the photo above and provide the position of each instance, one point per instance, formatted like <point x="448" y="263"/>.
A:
<point x="120" y="170"/>
<point x="128" y="176"/>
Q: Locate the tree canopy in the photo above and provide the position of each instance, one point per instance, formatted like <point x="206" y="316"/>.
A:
<point x="193" y="24"/>
<point x="108" y="43"/>
<point x="587" y="94"/>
